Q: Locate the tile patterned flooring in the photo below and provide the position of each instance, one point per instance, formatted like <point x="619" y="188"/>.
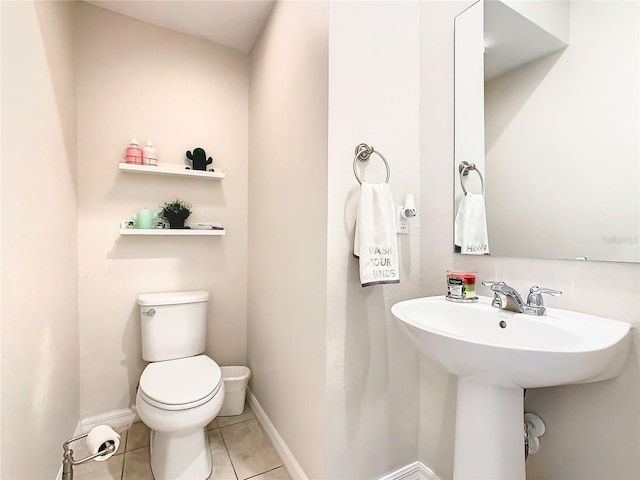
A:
<point x="239" y="450"/>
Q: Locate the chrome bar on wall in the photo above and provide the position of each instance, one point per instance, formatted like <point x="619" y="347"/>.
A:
<point x="363" y="152"/>
<point x="464" y="168"/>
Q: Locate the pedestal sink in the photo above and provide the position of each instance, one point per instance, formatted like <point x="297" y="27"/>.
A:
<point x="496" y="354"/>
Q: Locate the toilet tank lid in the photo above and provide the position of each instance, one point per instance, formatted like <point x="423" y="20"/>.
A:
<point x="173" y="298"/>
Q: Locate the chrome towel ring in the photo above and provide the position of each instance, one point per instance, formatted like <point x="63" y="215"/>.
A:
<point x="363" y="152"/>
<point x="464" y="168"/>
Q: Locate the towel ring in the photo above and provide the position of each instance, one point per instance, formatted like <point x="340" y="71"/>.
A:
<point x="464" y="168"/>
<point x="363" y="152"/>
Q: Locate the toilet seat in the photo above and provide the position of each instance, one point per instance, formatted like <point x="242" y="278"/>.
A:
<point x="182" y="383"/>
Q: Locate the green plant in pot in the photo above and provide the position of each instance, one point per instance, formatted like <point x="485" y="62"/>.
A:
<point x="175" y="213"/>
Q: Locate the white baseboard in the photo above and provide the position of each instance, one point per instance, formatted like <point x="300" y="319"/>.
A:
<point x="290" y="464"/>
<point x="414" y="471"/>
<point x="115" y="419"/>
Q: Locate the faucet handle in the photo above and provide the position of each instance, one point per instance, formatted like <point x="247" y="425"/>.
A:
<point x="535" y="295"/>
<point x="497" y="301"/>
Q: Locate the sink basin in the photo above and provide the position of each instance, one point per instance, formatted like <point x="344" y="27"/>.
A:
<point x="508" y="349"/>
<point x="495" y="354"/>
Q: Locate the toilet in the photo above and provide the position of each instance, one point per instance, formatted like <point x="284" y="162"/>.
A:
<point x="181" y="390"/>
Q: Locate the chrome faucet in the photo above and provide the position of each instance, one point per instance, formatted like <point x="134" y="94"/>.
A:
<point x="508" y="298"/>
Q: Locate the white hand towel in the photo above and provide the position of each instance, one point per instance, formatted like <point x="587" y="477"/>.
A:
<point x="471" y="225"/>
<point x="376" y="243"/>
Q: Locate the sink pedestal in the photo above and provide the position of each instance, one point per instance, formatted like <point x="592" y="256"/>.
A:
<point x="489" y="441"/>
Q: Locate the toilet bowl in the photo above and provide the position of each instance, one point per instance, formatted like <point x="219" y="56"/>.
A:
<point x="176" y="399"/>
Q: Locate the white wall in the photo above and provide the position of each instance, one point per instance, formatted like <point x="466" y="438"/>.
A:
<point x="40" y="381"/>
<point x="327" y="356"/>
<point x="374" y="85"/>
<point x="552" y="141"/>
<point x="593" y="431"/>
<point x="287" y="227"/>
<point x="183" y="92"/>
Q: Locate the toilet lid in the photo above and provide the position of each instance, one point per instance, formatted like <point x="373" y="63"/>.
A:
<point x="182" y="382"/>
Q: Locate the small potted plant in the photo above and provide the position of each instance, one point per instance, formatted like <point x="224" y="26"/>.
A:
<point x="175" y="213"/>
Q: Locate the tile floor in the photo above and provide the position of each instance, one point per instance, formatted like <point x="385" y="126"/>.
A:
<point x="239" y="450"/>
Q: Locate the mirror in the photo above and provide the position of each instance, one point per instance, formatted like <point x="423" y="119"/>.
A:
<point x="547" y="109"/>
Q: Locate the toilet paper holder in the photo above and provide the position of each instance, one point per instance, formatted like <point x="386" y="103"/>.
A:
<point x="108" y="448"/>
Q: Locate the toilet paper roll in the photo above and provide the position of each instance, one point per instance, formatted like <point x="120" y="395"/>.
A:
<point x="99" y="439"/>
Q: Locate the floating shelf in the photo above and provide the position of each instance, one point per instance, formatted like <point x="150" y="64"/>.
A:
<point x="169" y="231"/>
<point x="170" y="169"/>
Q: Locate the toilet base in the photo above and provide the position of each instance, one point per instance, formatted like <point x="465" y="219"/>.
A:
<point x="180" y="456"/>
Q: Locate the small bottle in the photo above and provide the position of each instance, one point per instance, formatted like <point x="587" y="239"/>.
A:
<point x="149" y="154"/>
<point x="134" y="153"/>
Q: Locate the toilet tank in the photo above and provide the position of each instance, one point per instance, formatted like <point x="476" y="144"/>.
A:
<point x="173" y="324"/>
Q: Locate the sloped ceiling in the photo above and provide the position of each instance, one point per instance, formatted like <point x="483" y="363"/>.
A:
<point x="234" y="23"/>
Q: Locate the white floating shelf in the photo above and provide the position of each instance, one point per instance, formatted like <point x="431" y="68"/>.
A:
<point x="170" y="169"/>
<point x="170" y="231"/>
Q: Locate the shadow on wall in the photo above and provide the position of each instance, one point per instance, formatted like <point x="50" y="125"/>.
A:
<point x="592" y="430"/>
<point x="365" y="346"/>
<point x="60" y="74"/>
<point x="510" y="92"/>
<point x="438" y="396"/>
<point x="380" y="394"/>
<point x="358" y="337"/>
<point x="196" y="252"/>
<point x="365" y="379"/>
<point x="132" y="352"/>
<point x="196" y="190"/>
<point x="363" y="375"/>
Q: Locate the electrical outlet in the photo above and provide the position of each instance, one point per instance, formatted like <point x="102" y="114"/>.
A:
<point x="402" y="223"/>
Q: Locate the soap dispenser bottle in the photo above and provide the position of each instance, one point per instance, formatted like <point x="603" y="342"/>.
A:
<point x="149" y="154"/>
<point x="134" y="153"/>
